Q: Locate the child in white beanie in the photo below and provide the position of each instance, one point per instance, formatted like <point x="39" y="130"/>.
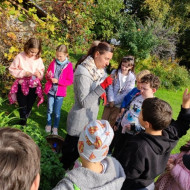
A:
<point x="97" y="171"/>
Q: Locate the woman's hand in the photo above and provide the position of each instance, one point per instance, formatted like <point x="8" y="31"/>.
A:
<point x="104" y="98"/>
<point x="108" y="81"/>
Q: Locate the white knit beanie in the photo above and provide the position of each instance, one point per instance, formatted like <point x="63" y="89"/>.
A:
<point x="94" y="141"/>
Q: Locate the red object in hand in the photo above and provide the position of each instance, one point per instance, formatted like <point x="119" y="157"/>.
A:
<point x="103" y="96"/>
<point x="107" y="82"/>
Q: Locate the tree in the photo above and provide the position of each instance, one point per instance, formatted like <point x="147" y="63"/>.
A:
<point x="75" y="19"/>
<point x="107" y="17"/>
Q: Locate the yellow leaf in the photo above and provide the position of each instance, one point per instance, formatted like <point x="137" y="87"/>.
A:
<point x="20" y="1"/>
<point x="52" y="28"/>
<point x="10" y="56"/>
<point x="12" y="49"/>
<point x="67" y="36"/>
<point x="11" y="35"/>
<point x="69" y="21"/>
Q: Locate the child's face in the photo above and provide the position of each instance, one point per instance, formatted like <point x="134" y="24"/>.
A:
<point x="32" y="52"/>
<point x="140" y="118"/>
<point x="61" y="56"/>
<point x="146" y="91"/>
<point x="125" y="67"/>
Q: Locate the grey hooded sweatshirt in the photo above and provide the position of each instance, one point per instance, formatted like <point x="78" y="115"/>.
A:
<point x="86" y="179"/>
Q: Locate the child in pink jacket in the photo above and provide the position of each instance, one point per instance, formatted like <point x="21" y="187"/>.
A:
<point x="176" y="176"/>
<point x="59" y="75"/>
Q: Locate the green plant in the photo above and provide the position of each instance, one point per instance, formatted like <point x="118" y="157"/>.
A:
<point x="170" y="73"/>
<point x="107" y="17"/>
<point x="6" y="118"/>
<point x="137" y="38"/>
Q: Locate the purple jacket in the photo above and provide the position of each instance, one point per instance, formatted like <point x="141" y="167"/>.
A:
<point x="65" y="78"/>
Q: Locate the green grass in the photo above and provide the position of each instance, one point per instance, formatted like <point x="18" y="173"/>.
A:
<point x="38" y="115"/>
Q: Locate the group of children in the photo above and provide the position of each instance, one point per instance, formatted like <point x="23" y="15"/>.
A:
<point x="28" y="69"/>
<point x="142" y="157"/>
<point x="145" y="132"/>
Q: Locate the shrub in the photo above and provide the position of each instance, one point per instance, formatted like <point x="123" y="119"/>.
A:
<point x="171" y="74"/>
<point x="138" y="39"/>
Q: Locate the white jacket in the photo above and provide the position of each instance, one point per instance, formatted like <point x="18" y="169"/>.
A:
<point x="116" y="92"/>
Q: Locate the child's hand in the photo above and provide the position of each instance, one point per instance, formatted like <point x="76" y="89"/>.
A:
<point x="170" y="164"/>
<point x="37" y="74"/>
<point x="54" y="80"/>
<point x="128" y="127"/>
<point x="186" y="99"/>
<point x="49" y="75"/>
<point x="115" y="128"/>
<point x="118" y="116"/>
<point x="28" y="74"/>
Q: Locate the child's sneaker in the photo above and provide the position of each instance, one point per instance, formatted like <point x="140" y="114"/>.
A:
<point x="48" y="129"/>
<point x="55" y="131"/>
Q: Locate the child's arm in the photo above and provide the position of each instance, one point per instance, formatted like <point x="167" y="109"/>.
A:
<point x="128" y="97"/>
<point x="40" y="71"/>
<point x="186" y="99"/>
<point x="181" y="175"/>
<point x="16" y="70"/>
<point x="119" y="98"/>
<point x="38" y="74"/>
<point x="182" y="124"/>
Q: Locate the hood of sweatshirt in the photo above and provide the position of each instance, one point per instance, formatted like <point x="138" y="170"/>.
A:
<point x="84" y="178"/>
<point x="161" y="144"/>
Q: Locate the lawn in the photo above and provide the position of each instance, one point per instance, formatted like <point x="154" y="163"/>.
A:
<point x="38" y="116"/>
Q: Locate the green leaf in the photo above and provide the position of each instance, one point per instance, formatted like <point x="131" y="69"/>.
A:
<point x="22" y="18"/>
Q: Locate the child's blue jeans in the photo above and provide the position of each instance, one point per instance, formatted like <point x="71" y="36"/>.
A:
<point x="54" y="106"/>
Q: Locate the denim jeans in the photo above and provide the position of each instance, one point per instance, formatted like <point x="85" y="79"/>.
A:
<point x="54" y="106"/>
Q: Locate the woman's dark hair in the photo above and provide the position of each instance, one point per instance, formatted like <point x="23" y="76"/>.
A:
<point x="101" y="47"/>
<point x="127" y="59"/>
<point x="185" y="147"/>
<point x="33" y="43"/>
